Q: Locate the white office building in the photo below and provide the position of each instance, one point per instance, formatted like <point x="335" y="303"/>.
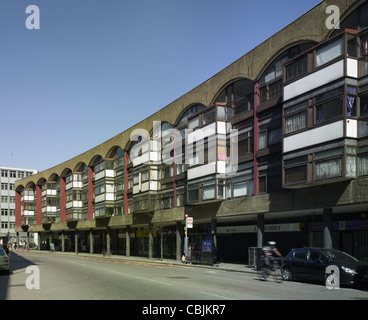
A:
<point x="8" y="176"/>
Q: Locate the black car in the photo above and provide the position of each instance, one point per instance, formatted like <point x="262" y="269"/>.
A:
<point x="5" y="247"/>
<point x="311" y="264"/>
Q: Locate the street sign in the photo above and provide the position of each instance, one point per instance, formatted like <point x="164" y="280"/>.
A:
<point x="189" y="222"/>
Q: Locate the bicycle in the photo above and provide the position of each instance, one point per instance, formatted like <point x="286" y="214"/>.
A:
<point x="106" y="253"/>
<point x="275" y="271"/>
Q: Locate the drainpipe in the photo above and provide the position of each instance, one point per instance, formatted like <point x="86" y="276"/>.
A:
<point x="255" y="137"/>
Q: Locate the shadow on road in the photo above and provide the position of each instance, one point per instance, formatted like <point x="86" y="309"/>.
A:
<point x="18" y="261"/>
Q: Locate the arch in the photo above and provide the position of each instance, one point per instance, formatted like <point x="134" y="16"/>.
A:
<point x="115" y="152"/>
<point x="356" y="16"/>
<point x="54" y="177"/>
<point x="41" y="181"/>
<point x="95" y="159"/>
<point x="80" y="167"/>
<point x="245" y="86"/>
<point x="182" y="120"/>
<point x="280" y="57"/>
<point x="65" y="172"/>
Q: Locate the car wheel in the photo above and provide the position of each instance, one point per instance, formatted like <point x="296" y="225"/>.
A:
<point x="287" y="274"/>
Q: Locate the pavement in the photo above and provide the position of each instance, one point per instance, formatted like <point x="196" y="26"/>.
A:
<point x="224" y="266"/>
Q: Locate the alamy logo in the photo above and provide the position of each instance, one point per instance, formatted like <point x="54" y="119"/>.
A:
<point x="33" y="281"/>
<point x="333" y="277"/>
<point x="201" y="145"/>
<point x="333" y="21"/>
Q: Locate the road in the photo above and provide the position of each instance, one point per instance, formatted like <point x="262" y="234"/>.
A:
<point x="73" y="277"/>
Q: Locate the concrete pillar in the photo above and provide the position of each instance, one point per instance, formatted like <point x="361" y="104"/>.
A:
<point x="76" y="241"/>
<point x="213" y="232"/>
<point x="179" y="241"/>
<point x="127" y="241"/>
<point x="327" y="228"/>
<point x="62" y="241"/>
<point x="150" y="243"/>
<point x="91" y="241"/>
<point x="260" y="230"/>
<point x="108" y="239"/>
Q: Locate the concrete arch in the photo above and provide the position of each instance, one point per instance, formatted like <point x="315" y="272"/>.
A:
<point x="185" y="110"/>
<point x="229" y="83"/>
<point x="279" y="53"/>
<point x="112" y="152"/>
<point x="54" y="177"/>
<point x="80" y="167"/>
<point x="65" y="172"/>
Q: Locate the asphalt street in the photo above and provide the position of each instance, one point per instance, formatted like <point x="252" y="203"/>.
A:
<point x="50" y="276"/>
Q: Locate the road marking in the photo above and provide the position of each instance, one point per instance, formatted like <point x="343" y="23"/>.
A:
<point x="215" y="295"/>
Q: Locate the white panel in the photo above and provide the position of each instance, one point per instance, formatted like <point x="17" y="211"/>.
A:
<point x="314" y="80"/>
<point x="100" y="197"/>
<point x="202" y="170"/>
<point x="144" y="186"/>
<point x="28" y="198"/>
<point x="221" y="166"/>
<point x="109" y="173"/>
<point x="109" y="196"/>
<point x="352" y="68"/>
<point x="77" y="204"/>
<point x="77" y="184"/>
<point x="221" y="127"/>
<point x="314" y="136"/>
<point x="144" y="158"/>
<point x="28" y="213"/>
<point x="69" y="185"/>
<point x="202" y="133"/>
<point x="154" y="156"/>
<point x="136" y="189"/>
<point x="153" y="185"/>
<point x="69" y="205"/>
<point x="352" y="128"/>
<point x="99" y="175"/>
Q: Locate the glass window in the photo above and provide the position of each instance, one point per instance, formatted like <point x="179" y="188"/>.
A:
<point x="209" y="116"/>
<point x="363" y="164"/>
<point x="364" y="103"/>
<point x="296" y="122"/>
<point x="294" y="175"/>
<point x="194" y="123"/>
<point x="329" y="169"/>
<point x="329" y="52"/>
<point x="296" y="68"/>
<point x="329" y="110"/>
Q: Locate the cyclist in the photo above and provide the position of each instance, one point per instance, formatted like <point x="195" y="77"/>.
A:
<point x="268" y="252"/>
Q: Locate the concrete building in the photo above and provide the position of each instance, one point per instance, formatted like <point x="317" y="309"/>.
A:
<point x="8" y="176"/>
<point x="274" y="146"/>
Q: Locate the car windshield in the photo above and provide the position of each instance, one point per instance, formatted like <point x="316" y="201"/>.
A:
<point x="2" y="252"/>
<point x="336" y="255"/>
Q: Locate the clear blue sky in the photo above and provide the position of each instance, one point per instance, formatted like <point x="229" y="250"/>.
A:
<point x="97" y="67"/>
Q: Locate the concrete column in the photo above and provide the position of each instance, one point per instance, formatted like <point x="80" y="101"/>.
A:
<point x="127" y="241"/>
<point x="76" y="241"/>
<point x="38" y="241"/>
<point x="327" y="228"/>
<point x="260" y="230"/>
<point x="62" y="242"/>
<point x="150" y="243"/>
<point x="213" y="232"/>
<point x="179" y="241"/>
<point x="108" y="239"/>
<point x="91" y="241"/>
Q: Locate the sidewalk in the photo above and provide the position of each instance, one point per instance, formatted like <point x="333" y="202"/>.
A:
<point x="235" y="267"/>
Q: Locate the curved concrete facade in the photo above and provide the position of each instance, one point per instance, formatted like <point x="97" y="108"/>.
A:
<point x="309" y="27"/>
<point x="285" y="205"/>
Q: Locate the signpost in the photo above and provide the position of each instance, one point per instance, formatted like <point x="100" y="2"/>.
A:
<point x="188" y="225"/>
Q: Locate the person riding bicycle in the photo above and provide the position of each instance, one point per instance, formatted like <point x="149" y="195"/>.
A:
<point x="269" y="251"/>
